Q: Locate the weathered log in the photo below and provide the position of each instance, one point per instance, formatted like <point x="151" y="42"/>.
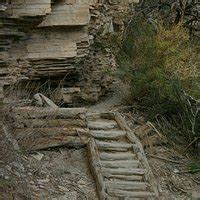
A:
<point x="101" y="134"/>
<point x="126" y="185"/>
<point x="138" y="149"/>
<point x="104" y="115"/>
<point x="113" y="146"/>
<point x="45" y="132"/>
<point x="130" y="135"/>
<point x="124" y="177"/>
<point x="104" y="125"/>
<point x="117" y="156"/>
<point x="92" y="116"/>
<point x="108" y="115"/>
<point x="124" y="193"/>
<point x="120" y="164"/>
<point x="41" y="100"/>
<point x="149" y="175"/>
<point x="32" y="144"/>
<point x="35" y="112"/>
<point x="95" y="163"/>
<point x="124" y="171"/>
<point x="41" y="123"/>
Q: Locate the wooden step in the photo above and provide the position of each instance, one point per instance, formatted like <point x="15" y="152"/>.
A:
<point x="113" y="146"/>
<point x="30" y="112"/>
<point x="120" y="164"/>
<point x="102" y="125"/>
<point x="126" y="185"/>
<point x="124" y="193"/>
<point x="101" y="134"/>
<point x="124" y="171"/>
<point x="117" y="156"/>
<point x="124" y="177"/>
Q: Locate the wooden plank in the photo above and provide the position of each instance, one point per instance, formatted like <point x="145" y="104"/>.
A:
<point x="42" y="123"/>
<point x="95" y="163"/>
<point x="104" y="125"/>
<point x="113" y="146"/>
<point x="100" y="134"/>
<point x="149" y="175"/>
<point x="138" y="149"/>
<point x="120" y="164"/>
<point x="124" y="177"/>
<point x="36" y="112"/>
<point x="32" y="144"/>
<point x="117" y="156"/>
<point x="124" y="171"/>
<point x="21" y="133"/>
<point x="126" y="185"/>
<point x="124" y="193"/>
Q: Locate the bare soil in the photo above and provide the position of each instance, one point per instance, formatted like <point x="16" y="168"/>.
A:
<point x="61" y="174"/>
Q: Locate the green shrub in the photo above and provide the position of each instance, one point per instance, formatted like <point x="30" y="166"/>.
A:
<point x="160" y="66"/>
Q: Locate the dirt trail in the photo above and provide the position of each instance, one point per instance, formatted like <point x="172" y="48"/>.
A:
<point x="110" y="102"/>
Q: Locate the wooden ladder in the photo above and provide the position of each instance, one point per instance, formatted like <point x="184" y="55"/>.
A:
<point x="117" y="160"/>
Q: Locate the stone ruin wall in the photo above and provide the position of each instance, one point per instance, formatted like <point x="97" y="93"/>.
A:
<point x="49" y="46"/>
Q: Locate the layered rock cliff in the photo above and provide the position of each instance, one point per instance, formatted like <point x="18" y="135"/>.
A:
<point x="49" y="46"/>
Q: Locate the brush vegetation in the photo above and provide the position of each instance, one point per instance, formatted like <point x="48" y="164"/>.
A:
<point x="160" y="64"/>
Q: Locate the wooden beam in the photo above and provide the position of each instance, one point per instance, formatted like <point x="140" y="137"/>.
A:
<point x="95" y="163"/>
<point x="39" y="113"/>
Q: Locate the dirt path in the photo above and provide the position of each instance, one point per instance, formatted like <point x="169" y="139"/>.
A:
<point x="110" y="102"/>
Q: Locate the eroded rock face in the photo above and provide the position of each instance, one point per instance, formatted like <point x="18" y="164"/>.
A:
<point x="46" y="43"/>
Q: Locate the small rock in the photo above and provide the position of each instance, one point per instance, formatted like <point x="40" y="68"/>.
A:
<point x="63" y="188"/>
<point x="176" y="171"/>
<point x="81" y="183"/>
<point x="6" y="178"/>
<point x="41" y="181"/>
<point x="38" y="156"/>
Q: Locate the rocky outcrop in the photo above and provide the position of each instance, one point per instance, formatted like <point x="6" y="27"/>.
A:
<point x="46" y="43"/>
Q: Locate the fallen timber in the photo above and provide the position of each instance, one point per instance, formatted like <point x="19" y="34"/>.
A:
<point x="116" y="156"/>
